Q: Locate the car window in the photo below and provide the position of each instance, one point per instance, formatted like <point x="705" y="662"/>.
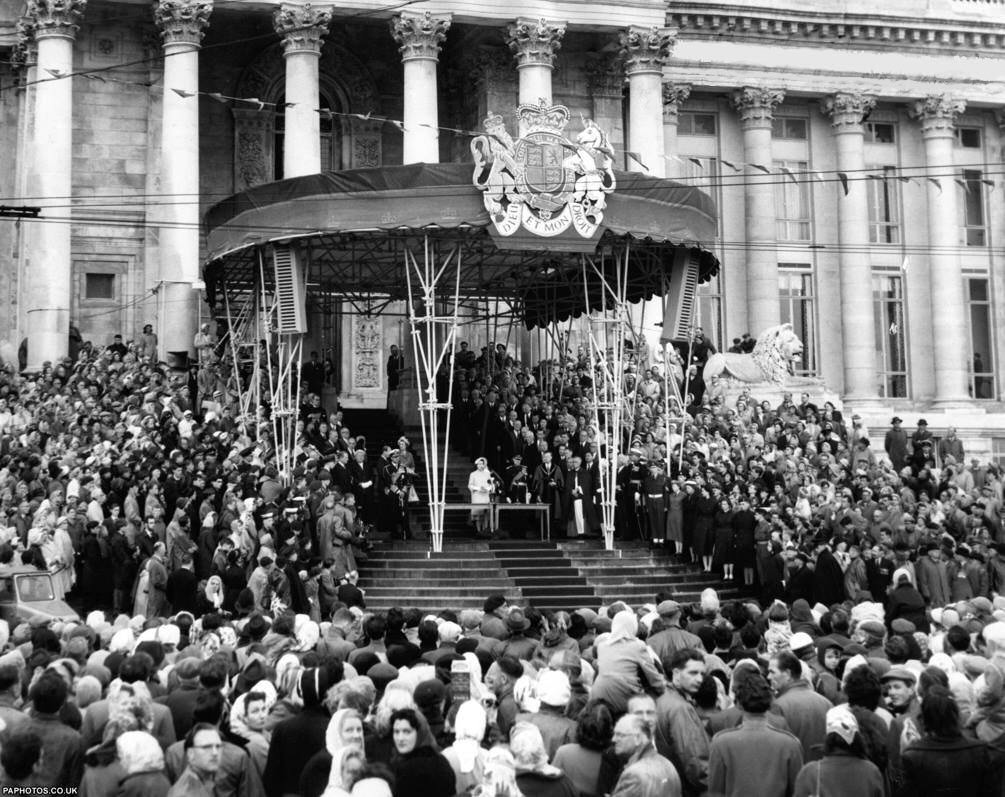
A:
<point x="6" y="590"/>
<point x="35" y="588"/>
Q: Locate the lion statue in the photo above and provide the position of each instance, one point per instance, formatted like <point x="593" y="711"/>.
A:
<point x="771" y="360"/>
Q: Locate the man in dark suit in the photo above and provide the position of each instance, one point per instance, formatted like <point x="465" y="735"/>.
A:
<point x="577" y="501"/>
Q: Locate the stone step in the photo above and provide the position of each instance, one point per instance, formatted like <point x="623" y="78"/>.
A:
<point x="447" y="594"/>
<point x="468" y="573"/>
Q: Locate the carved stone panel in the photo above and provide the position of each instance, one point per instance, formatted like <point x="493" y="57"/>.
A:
<point x="367" y="350"/>
<point x="253" y="145"/>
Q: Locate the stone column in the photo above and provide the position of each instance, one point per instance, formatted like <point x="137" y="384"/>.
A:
<point x="755" y="107"/>
<point x="673" y="97"/>
<point x="937" y="116"/>
<point x="645" y="52"/>
<point x="419" y="37"/>
<point x="303" y="28"/>
<point x="50" y="268"/>
<point x="857" y="311"/>
<point x="534" y="42"/>
<point x="182" y="24"/>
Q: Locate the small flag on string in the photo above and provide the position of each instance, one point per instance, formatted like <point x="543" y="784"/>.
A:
<point x="894" y="328"/>
<point x="637" y="158"/>
<point x="963" y="184"/>
<point x="764" y="169"/>
<point x="697" y="162"/>
<point x="674" y="158"/>
<point x="903" y="178"/>
<point x="218" y="97"/>
<point x="905" y="263"/>
<point x="326" y="114"/>
<point x="732" y="166"/>
<point x="401" y="126"/>
<point x="55" y="72"/>
<point x="182" y="93"/>
<point x="818" y="176"/>
<point x="790" y="174"/>
<point x="989" y="183"/>
<point x="935" y="182"/>
<point x="844" y="181"/>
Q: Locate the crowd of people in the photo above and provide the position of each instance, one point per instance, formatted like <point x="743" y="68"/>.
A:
<point x="227" y="647"/>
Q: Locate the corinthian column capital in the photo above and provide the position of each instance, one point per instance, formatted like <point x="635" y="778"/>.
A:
<point x="937" y="115"/>
<point x="535" y="41"/>
<point x="182" y="21"/>
<point x="674" y="95"/>
<point x="646" y="49"/>
<point x="56" y="17"/>
<point x="847" y="111"/>
<point x="303" y="28"/>
<point x="756" y="105"/>
<point x="419" y="36"/>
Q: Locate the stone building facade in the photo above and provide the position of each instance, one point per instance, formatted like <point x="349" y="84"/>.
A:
<point x="856" y="157"/>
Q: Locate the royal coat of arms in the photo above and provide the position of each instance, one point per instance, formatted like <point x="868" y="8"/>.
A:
<point x="544" y="182"/>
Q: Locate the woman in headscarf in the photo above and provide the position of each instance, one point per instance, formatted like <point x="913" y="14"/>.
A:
<point x="249" y="720"/>
<point x="102" y="769"/>
<point x="143" y="761"/>
<point x="210" y="599"/>
<point x="500" y="775"/>
<point x="324" y="773"/>
<point x="534" y="775"/>
<point x="624" y="664"/>
<point x="466" y="756"/>
<point x="420" y="770"/>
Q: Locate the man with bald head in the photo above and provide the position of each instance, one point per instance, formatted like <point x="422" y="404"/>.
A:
<point x="646" y="772"/>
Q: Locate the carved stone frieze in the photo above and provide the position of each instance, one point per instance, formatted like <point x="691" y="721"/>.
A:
<point x="182" y="21"/>
<point x="534" y="42"/>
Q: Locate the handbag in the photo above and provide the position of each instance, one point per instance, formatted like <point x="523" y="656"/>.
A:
<point x="413" y="497"/>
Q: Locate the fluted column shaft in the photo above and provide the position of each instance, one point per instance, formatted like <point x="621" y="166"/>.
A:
<point x="755" y="107"/>
<point x="182" y="24"/>
<point x="49" y="271"/>
<point x="419" y="37"/>
<point x="847" y="112"/>
<point x="937" y="116"/>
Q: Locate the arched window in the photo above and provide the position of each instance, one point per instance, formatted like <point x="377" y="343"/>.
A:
<point x="331" y="135"/>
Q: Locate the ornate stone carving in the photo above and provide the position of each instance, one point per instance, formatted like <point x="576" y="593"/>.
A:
<point x="182" y="21"/>
<point x="367" y="343"/>
<point x="420" y="35"/>
<point x="756" y="105"/>
<point x="605" y="76"/>
<point x="56" y="17"/>
<point x="253" y="133"/>
<point x="492" y="67"/>
<point x="303" y="28"/>
<point x="24" y="54"/>
<point x="674" y="95"/>
<point x="937" y="114"/>
<point x="847" y="111"/>
<point x="535" y="41"/>
<point x="777" y="352"/>
<point x="367" y="150"/>
<point x="646" y="49"/>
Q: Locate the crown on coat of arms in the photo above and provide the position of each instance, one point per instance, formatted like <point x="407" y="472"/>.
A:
<point x="543" y="116"/>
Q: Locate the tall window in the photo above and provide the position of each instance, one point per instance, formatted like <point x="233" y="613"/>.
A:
<point x="703" y="175"/>
<point x="884" y="206"/>
<point x="975" y="232"/>
<point x="891" y="335"/>
<point x="982" y="376"/>
<point x="797" y="304"/>
<point x="880" y="133"/>
<point x="792" y="202"/>
<point x="330" y="129"/>
<point x="789" y="127"/>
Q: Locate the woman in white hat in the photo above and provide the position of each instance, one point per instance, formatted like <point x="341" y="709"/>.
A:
<point x="481" y="485"/>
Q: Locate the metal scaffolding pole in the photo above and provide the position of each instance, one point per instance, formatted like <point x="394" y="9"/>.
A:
<point x="606" y="337"/>
<point x="434" y="340"/>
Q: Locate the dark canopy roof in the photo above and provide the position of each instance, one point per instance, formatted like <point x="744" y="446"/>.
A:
<point x="353" y="228"/>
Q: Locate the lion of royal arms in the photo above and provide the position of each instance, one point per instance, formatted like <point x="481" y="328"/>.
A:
<point x="543" y="182"/>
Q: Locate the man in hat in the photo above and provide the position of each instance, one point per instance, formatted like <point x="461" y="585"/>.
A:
<point x="668" y="636"/>
<point x="181" y="700"/>
<point x="895" y="444"/>
<point x="933" y="576"/>
<point x="828" y="577"/>
<point x="654" y="488"/>
<point x="519" y="645"/>
<point x="799" y="584"/>
<point x="901" y="701"/>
